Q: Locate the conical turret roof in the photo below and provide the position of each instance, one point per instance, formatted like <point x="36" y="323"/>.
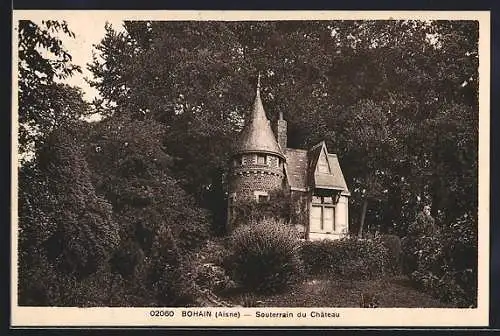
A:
<point x="257" y="135"/>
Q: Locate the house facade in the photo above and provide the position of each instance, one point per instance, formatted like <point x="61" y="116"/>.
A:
<point x="261" y="164"/>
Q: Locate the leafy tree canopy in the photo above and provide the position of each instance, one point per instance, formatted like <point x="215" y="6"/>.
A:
<point x="389" y="97"/>
<point x="44" y="103"/>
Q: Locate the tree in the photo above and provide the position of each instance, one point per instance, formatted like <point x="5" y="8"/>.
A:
<point x="110" y="64"/>
<point x="43" y="103"/>
<point x="376" y="91"/>
<point x="160" y="224"/>
<point x="66" y="229"/>
<point x="167" y="82"/>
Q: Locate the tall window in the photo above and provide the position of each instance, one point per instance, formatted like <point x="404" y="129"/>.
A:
<point x="322" y="215"/>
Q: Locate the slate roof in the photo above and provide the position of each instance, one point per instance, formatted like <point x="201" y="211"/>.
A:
<point x="296" y="167"/>
<point x="257" y="135"/>
<point x="337" y="174"/>
<point x="301" y="168"/>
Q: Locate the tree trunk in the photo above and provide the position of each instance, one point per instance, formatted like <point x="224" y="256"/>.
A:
<point x="363" y="215"/>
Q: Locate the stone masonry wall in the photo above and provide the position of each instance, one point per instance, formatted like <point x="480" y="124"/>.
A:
<point x="247" y="176"/>
<point x="245" y="183"/>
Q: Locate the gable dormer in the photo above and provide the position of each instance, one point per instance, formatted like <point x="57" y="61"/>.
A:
<point x="323" y="166"/>
<point x="324" y="170"/>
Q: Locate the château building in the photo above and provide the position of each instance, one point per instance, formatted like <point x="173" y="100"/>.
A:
<point x="262" y="163"/>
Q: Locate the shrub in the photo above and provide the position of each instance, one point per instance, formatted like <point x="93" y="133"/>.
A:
<point x="445" y="264"/>
<point x="126" y="258"/>
<point x="348" y="258"/>
<point x="263" y="256"/>
<point x="393" y="245"/>
<point x="169" y="272"/>
<point x="212" y="277"/>
<point x="318" y="256"/>
<point x="213" y="251"/>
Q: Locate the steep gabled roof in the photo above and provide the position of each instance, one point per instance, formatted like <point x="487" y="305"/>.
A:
<point x="332" y="178"/>
<point x="302" y="173"/>
<point x="257" y="135"/>
<point x="337" y="174"/>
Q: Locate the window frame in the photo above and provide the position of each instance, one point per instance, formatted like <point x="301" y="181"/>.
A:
<point x="322" y="205"/>
<point x="264" y="156"/>
<point x="258" y="193"/>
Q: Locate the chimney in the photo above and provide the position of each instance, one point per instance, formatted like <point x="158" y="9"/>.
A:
<point x="281" y="130"/>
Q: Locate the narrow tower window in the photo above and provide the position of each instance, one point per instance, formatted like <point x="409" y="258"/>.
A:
<point x="261" y="196"/>
<point x="261" y="159"/>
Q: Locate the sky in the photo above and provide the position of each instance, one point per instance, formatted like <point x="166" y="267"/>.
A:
<point x="88" y="32"/>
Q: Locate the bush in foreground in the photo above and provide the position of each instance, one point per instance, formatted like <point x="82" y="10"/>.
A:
<point x="393" y="245"/>
<point x="445" y="264"/>
<point x="207" y="267"/>
<point x="263" y="256"/>
<point x="349" y="258"/>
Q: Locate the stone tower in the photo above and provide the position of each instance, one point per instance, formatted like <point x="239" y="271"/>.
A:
<point x="257" y="161"/>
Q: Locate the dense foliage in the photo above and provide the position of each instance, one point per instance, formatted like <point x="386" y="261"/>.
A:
<point x="160" y="222"/>
<point x="445" y="264"/>
<point x="398" y="96"/>
<point x="263" y="256"/>
<point x="125" y="203"/>
<point x="65" y="227"/>
<point x="348" y="258"/>
<point x="394" y="248"/>
<point x="208" y="267"/>
<point x="44" y="104"/>
<point x="279" y="206"/>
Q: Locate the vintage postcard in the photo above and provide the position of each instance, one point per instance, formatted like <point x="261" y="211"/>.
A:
<point x="250" y="168"/>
